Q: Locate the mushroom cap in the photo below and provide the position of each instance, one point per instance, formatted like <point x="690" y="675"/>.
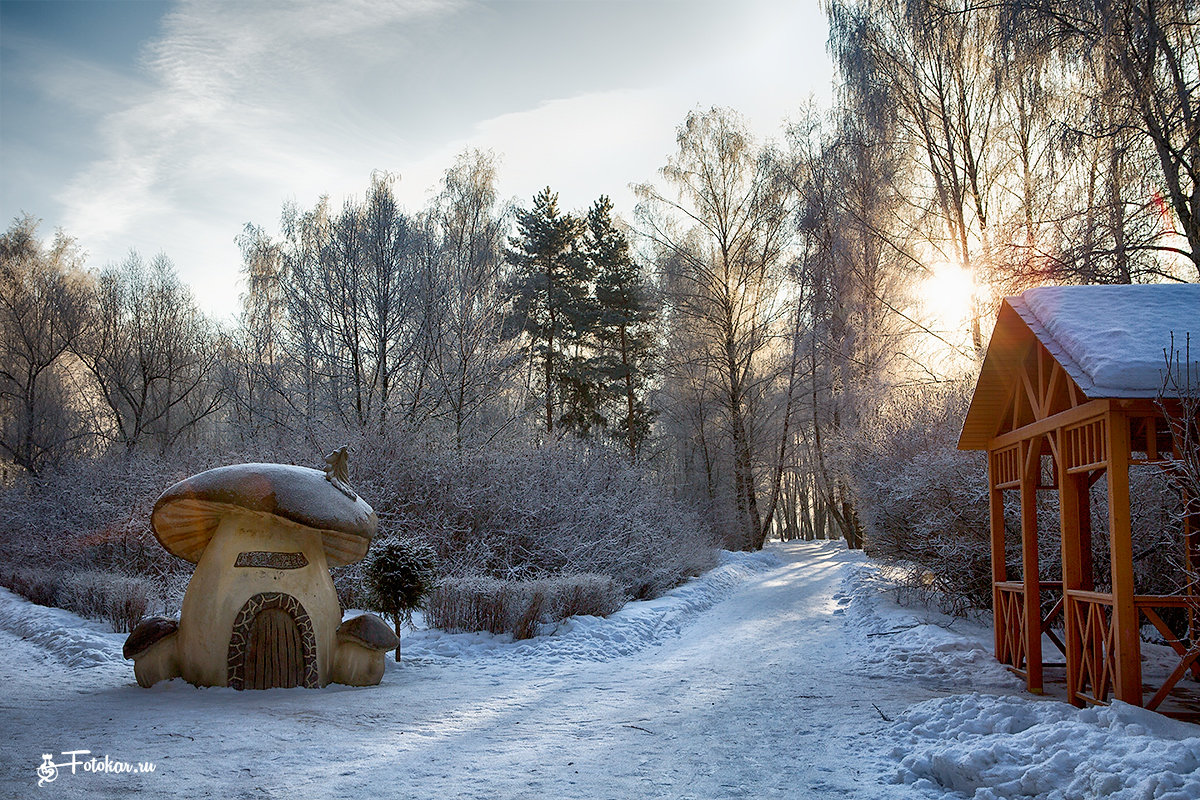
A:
<point x="187" y="515"/>
<point x="148" y="632"/>
<point x="369" y="631"/>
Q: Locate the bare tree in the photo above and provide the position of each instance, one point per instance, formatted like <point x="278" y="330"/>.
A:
<point x="472" y="361"/>
<point x="42" y="297"/>
<point x="357" y="307"/>
<point x="724" y="225"/>
<point x="151" y="353"/>
<point x="936" y="64"/>
<point x="1149" y="52"/>
<point x="259" y="371"/>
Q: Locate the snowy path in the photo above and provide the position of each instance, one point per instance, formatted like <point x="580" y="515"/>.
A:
<point x="754" y="681"/>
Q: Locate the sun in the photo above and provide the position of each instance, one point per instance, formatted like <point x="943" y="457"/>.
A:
<point x="947" y="295"/>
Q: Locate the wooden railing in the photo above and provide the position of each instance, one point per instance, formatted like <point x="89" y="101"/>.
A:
<point x="1010" y="617"/>
<point x="1010" y="624"/>
<point x="1090" y="634"/>
<point x="1188" y="651"/>
<point x="1091" y="613"/>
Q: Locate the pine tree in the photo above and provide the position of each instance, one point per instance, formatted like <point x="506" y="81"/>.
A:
<point x="550" y="287"/>
<point x="623" y="320"/>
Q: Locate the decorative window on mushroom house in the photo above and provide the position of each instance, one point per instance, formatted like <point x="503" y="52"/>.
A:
<point x="1074" y="393"/>
<point x="260" y="610"/>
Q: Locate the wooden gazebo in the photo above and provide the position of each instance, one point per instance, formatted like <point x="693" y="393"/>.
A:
<point x="1069" y="392"/>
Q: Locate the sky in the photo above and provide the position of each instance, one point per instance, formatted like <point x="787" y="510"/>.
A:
<point x="167" y="126"/>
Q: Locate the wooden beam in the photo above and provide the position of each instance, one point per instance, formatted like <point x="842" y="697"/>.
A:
<point x="1006" y="414"/>
<point x="1042" y="355"/>
<point x="1071" y="531"/>
<point x="1093" y="408"/>
<point x="1031" y="394"/>
<point x="1030" y="477"/>
<point x="999" y="568"/>
<point x="1127" y="658"/>
<point x="1172" y="679"/>
<point x="1056" y="375"/>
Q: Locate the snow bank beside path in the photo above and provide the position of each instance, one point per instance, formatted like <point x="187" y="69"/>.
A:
<point x="634" y="627"/>
<point x="919" y="643"/>
<point x="62" y="635"/>
<point x="987" y="748"/>
<point x="81" y="643"/>
<point x="995" y="742"/>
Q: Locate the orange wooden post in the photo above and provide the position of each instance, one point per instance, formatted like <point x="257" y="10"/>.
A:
<point x="1069" y="524"/>
<point x="1031" y="463"/>
<point x="999" y="568"/>
<point x="1127" y="658"/>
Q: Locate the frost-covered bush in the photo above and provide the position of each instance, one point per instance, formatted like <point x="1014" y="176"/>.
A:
<point x="510" y="509"/>
<point x="35" y="585"/>
<point x="924" y="503"/>
<point x="93" y="514"/>
<point x="519" y="607"/>
<point x="467" y="604"/>
<point x="520" y="513"/>
<point x="575" y="595"/>
<point x="122" y="600"/>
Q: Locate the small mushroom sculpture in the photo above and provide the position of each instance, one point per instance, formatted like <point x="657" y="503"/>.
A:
<point x="260" y="610"/>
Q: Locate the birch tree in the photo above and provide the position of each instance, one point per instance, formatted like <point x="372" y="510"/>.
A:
<point x="723" y="221"/>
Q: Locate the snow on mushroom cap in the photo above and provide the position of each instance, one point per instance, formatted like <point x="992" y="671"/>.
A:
<point x="187" y="515"/>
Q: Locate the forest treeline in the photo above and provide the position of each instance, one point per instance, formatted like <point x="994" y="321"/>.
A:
<point x="752" y="345"/>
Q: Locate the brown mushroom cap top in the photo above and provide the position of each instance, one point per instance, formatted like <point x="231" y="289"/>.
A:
<point x="187" y="515"/>
<point x="149" y="631"/>
<point x="369" y="631"/>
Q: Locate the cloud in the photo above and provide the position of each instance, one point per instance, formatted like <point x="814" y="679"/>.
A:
<point x="241" y="106"/>
<point x="234" y="107"/>
<point x="582" y="146"/>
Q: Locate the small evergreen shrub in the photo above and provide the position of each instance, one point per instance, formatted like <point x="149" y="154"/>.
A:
<point x="399" y="573"/>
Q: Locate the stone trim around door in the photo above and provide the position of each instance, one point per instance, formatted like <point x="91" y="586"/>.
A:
<point x="239" y="640"/>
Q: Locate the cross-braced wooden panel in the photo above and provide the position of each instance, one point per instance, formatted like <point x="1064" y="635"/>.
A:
<point x="1010" y="618"/>
<point x="1091" y="614"/>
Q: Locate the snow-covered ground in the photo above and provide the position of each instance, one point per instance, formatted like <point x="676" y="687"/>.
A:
<point x="789" y="673"/>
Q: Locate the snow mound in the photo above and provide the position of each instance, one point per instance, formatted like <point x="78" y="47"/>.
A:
<point x="986" y="748"/>
<point x="63" y="636"/>
<point x="636" y="626"/>
<point x="921" y="644"/>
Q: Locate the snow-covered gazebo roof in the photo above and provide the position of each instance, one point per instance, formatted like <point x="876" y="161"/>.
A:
<point x="1111" y="340"/>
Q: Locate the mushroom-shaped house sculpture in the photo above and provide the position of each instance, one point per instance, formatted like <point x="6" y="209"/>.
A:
<point x="260" y="610"/>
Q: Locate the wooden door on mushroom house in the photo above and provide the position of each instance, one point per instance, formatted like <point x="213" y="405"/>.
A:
<point x="274" y="653"/>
